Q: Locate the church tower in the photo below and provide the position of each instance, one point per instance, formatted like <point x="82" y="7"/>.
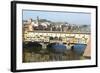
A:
<point x="37" y="21"/>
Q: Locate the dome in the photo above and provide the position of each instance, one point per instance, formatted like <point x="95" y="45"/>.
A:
<point x="44" y="24"/>
<point x="35" y="25"/>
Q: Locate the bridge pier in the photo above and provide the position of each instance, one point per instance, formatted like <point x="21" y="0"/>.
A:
<point x="44" y="45"/>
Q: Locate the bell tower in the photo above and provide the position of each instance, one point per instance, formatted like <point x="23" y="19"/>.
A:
<point x="37" y="20"/>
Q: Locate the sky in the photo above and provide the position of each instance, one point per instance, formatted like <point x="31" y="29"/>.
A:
<point x="70" y="17"/>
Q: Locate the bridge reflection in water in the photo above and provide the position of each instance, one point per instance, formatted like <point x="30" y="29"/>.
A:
<point x="39" y="46"/>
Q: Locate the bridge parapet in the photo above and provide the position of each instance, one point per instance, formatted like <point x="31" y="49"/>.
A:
<point x="65" y="37"/>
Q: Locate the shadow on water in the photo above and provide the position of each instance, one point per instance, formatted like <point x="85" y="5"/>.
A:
<point x="33" y="52"/>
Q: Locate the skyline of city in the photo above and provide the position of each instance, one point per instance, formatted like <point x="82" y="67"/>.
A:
<point x="70" y="17"/>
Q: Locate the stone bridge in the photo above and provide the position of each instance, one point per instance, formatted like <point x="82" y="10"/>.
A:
<point x="45" y="38"/>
